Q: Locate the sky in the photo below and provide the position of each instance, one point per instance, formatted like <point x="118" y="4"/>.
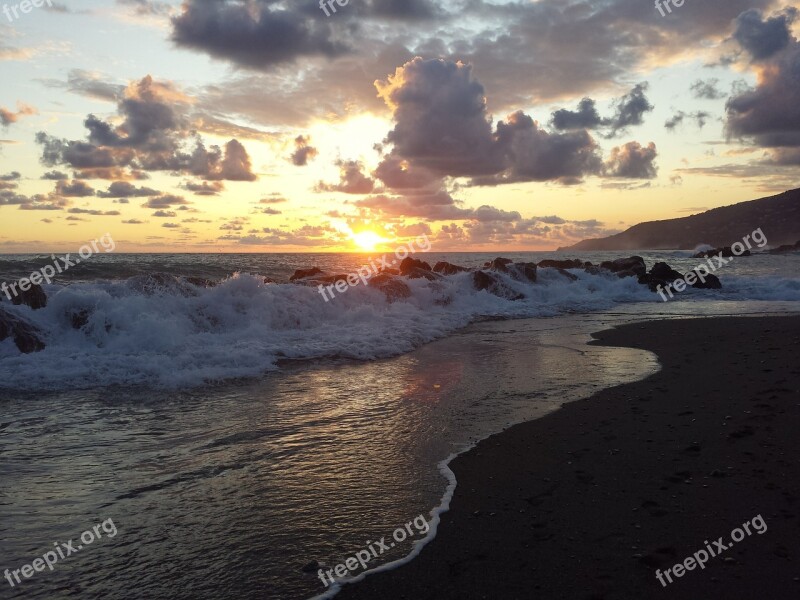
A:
<point x="295" y="126"/>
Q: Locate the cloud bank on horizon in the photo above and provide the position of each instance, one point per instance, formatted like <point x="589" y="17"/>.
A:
<point x="462" y="119"/>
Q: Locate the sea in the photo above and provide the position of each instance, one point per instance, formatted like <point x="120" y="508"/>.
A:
<point x="242" y="436"/>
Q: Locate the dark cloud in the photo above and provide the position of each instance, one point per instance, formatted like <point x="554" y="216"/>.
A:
<point x="769" y="114"/>
<point x="629" y="110"/>
<point x="258" y="34"/>
<point x="700" y="118"/>
<point x="585" y="117"/>
<point x="73" y="189"/>
<point x="632" y="161"/>
<point x="165" y="214"/>
<point x="165" y="201"/>
<point x="707" y="90"/>
<point x="351" y="179"/>
<point x="303" y="151"/>
<point x="96" y="213"/>
<point x="13" y="176"/>
<point x="204" y="188"/>
<point x="442" y="128"/>
<point x="154" y="134"/>
<point x="55" y="175"/>
<point x="125" y="189"/>
<point x="763" y="38"/>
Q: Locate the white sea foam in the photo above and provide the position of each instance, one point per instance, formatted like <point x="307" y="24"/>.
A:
<point x="178" y="335"/>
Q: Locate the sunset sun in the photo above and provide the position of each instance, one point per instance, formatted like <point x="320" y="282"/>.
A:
<point x="367" y="240"/>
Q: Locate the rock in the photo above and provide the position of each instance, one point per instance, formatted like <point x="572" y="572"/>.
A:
<point x="78" y="318"/>
<point x="409" y="265"/>
<point x="726" y="251"/>
<point x="594" y="269"/>
<point x="786" y="248"/>
<point x="305" y="273"/>
<point x="446" y="268"/>
<point x="712" y="282"/>
<point x="393" y="288"/>
<point x="662" y="270"/>
<point x="486" y="281"/>
<point x="329" y="279"/>
<point x="26" y="336"/>
<point x="660" y="275"/>
<point x="568" y="275"/>
<point x="634" y="264"/>
<point x="34" y="297"/>
<point x="498" y="264"/>
<point x="562" y="264"/>
<point x="523" y="271"/>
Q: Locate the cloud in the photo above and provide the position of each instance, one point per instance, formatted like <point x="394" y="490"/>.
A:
<point x="769" y="115"/>
<point x="629" y="110"/>
<point x="165" y="214"/>
<point x="273" y="199"/>
<point x="96" y="213"/>
<point x="700" y="117"/>
<point x="73" y="189"/>
<point x="257" y="35"/>
<point x="154" y="133"/>
<point x="303" y="151"/>
<point x="204" y="188"/>
<point x="55" y="175"/>
<point x="632" y="161"/>
<point x="125" y="189"/>
<point x="165" y="201"/>
<point x="763" y="38"/>
<point x="7" y="116"/>
<point x="351" y="179"/>
<point x="707" y="90"/>
<point x="12" y="176"/>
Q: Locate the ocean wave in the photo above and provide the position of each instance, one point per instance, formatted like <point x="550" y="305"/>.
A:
<point x="169" y="332"/>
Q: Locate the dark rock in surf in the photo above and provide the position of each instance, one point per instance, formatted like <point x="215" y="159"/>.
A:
<point x="305" y="273"/>
<point x="726" y="252"/>
<point x="486" y="281"/>
<point x="393" y="288"/>
<point x="409" y="265"/>
<point x="27" y="337"/>
<point x="561" y="264"/>
<point x="660" y="275"/>
<point x="498" y="264"/>
<point x="786" y="248"/>
<point x="523" y="271"/>
<point x="446" y="268"/>
<point x="711" y="282"/>
<point x="635" y="266"/>
<point x="34" y="296"/>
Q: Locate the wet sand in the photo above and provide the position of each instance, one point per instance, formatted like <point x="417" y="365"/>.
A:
<point x="589" y="501"/>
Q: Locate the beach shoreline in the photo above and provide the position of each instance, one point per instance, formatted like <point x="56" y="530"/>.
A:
<point x="589" y="501"/>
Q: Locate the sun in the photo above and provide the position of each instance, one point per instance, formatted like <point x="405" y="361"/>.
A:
<point x="367" y="240"/>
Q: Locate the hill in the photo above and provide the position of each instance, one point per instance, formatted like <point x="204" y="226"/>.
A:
<point x="777" y="216"/>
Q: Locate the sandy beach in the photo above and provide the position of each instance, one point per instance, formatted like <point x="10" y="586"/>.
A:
<point x="589" y="501"/>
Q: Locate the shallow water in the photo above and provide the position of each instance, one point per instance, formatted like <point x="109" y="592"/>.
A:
<point x="230" y="489"/>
